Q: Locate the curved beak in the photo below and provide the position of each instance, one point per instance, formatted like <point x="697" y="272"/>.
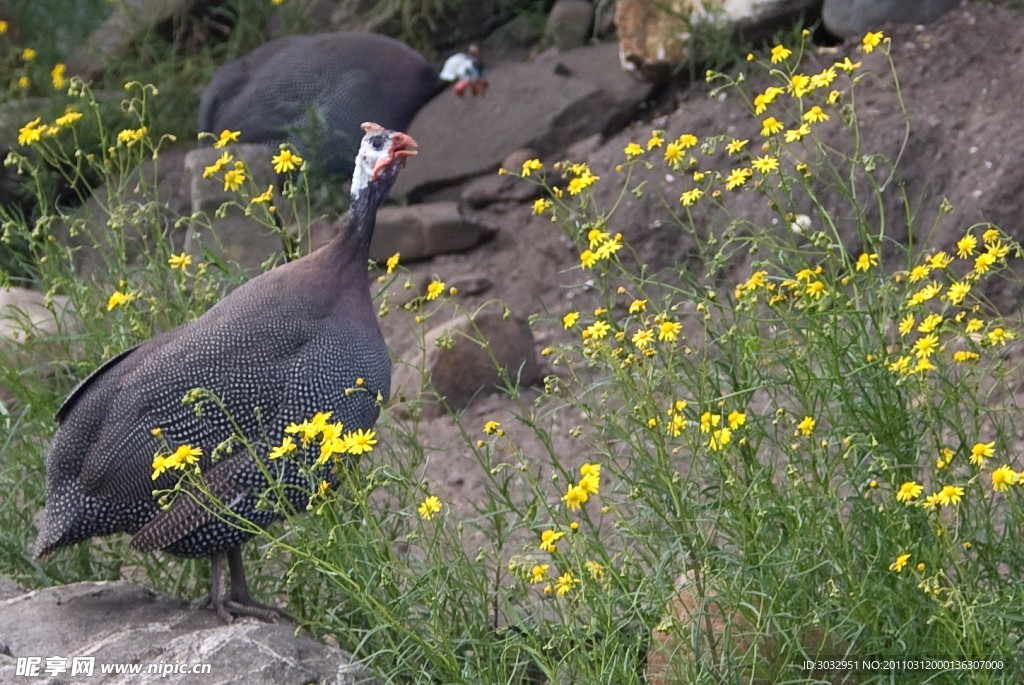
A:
<point x="402" y="145"/>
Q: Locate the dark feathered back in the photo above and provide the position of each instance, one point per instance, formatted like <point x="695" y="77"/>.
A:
<point x="315" y="91"/>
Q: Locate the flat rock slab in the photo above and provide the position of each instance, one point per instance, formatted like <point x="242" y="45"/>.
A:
<point x="120" y="623"/>
<point x="854" y="18"/>
<point x="545" y="105"/>
<point x="423" y="231"/>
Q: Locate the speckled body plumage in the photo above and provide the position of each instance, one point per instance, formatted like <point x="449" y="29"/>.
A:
<point x="317" y="90"/>
<point x="289" y="342"/>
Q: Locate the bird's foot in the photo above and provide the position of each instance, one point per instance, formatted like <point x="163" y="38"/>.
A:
<point x="230" y="609"/>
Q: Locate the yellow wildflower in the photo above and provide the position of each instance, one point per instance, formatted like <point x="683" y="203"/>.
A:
<point x="643" y="338"/>
<point x="950" y="494"/>
<point x="287" y="445"/>
<point x="771" y="126"/>
<point x="575" y="497"/>
<point x="795" y="134"/>
<point x="529" y="166"/>
<point x="285" y="160"/>
<point x="69" y="117"/>
<point x="925" y="346"/>
<point x="719" y="439"/>
<point x="668" y="331"/>
<point x="866" y="261"/>
<point x="429" y="507"/>
<point x="736" y="419"/>
<point x="807" y="425"/>
<point x="674" y="153"/>
<point x="118" y="298"/>
<point x="687" y="140"/>
<point x="965" y="246"/>
<point x="999" y="336"/>
<point x="566" y="583"/>
<point x="569" y="320"/>
<point x="360" y="441"/>
<point x="234" y="178"/>
<point x="549" y="538"/>
<point x="924" y="294"/>
<point x="266" y="196"/>
<point x="580" y="183"/>
<point x="28" y="54"/>
<point x="131" y="136"/>
<point x="221" y="162"/>
<point x="690" y="196"/>
<point x="491" y="427"/>
<point x="909" y="491"/>
<point x="734" y="146"/>
<point x="737" y="178"/>
<point x="435" y="289"/>
<point x="541" y="205"/>
<point x="930" y="323"/>
<point x="958" y="291"/>
<point x="226" y="137"/>
<point x="962" y="356"/>
<point x="799" y="85"/>
<point x="900" y="562"/>
<point x="780" y="53"/>
<point x="30" y="132"/>
<point x="632" y="150"/>
<point x="847" y="66"/>
<point x="595" y="569"/>
<point x="655" y="141"/>
<point x="537" y="573"/>
<point x="765" y="164"/>
<point x="974" y="325"/>
<point x="919" y="273"/>
<point x="1003" y="477"/>
<point x="824" y="79"/>
<point x="871" y="40"/>
<point x="180" y="261"/>
<point x="815" y="115"/>
<point x="57" y="76"/>
<point x="596" y="330"/>
<point x="940" y="260"/>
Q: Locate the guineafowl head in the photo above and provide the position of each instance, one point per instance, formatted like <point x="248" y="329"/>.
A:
<point x="381" y="155"/>
<point x="466" y="71"/>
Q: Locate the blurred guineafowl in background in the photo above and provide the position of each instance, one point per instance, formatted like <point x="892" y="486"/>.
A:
<point x="315" y="91"/>
<point x="291" y="343"/>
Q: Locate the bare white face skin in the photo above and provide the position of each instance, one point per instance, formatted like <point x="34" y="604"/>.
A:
<point x="374" y="152"/>
<point x="460" y="67"/>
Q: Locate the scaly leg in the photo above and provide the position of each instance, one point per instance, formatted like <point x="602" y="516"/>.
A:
<point x="240" y="602"/>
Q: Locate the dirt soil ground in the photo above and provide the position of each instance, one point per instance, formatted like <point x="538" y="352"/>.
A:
<point x="961" y="79"/>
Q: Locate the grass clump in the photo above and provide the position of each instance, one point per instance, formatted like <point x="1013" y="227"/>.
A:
<point x="814" y="461"/>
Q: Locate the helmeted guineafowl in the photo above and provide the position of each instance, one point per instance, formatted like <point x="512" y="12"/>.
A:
<point x="314" y="91"/>
<point x="276" y="351"/>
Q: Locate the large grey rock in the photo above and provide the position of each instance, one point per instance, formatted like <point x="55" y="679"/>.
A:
<point x="120" y="623"/>
<point x="569" y="22"/>
<point x="654" y="35"/>
<point x="112" y="38"/>
<point x="31" y="332"/>
<point x="423" y="231"/>
<point x="545" y="105"/>
<point x="854" y="18"/>
<point x="457" y="360"/>
<point x="234" y="236"/>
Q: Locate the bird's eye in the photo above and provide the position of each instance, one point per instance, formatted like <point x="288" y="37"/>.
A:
<point x="378" y="144"/>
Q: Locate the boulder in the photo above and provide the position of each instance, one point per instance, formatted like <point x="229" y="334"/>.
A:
<point x="654" y="36"/>
<point x="457" y="364"/>
<point x="111" y="215"/>
<point x="854" y="18"/>
<point x="30" y="333"/>
<point x="112" y="39"/>
<point x="120" y="623"/>
<point x="569" y="22"/>
<point x="234" y="236"/>
<point x="546" y="105"/>
<point x="422" y="231"/>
